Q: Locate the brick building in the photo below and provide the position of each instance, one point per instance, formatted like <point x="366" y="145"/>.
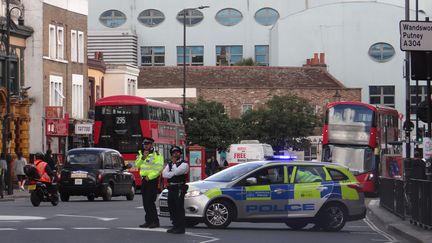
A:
<point x="240" y="88"/>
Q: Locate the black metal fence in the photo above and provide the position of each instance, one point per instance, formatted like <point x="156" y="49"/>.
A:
<point x="421" y="201"/>
<point x="408" y="198"/>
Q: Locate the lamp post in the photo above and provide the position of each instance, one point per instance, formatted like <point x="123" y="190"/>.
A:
<point x="7" y="117"/>
<point x="184" y="59"/>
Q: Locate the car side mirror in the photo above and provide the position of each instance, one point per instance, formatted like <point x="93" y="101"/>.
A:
<point x="251" y="181"/>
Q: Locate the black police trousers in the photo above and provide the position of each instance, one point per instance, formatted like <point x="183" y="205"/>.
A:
<point x="176" y="194"/>
<point x="149" y="194"/>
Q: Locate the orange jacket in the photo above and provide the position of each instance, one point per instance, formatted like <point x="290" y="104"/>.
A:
<point x="40" y="166"/>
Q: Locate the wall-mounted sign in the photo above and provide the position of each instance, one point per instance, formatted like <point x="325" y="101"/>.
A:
<point x="84" y="128"/>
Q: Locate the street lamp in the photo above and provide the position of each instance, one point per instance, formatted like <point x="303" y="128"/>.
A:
<point x="184" y="59"/>
<point x="337" y="96"/>
<point x="7" y="117"/>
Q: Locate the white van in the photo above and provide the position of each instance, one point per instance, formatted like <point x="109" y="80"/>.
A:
<point x="248" y="150"/>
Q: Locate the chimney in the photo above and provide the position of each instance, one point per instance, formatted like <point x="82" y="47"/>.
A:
<point x="322" y="58"/>
<point x="308" y="61"/>
<point x="315" y="59"/>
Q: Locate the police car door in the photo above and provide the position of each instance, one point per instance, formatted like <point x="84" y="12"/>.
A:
<point x="268" y="197"/>
<point x="307" y="191"/>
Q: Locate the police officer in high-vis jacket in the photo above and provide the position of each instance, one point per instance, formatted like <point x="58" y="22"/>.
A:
<point x="150" y="164"/>
<point x="176" y="172"/>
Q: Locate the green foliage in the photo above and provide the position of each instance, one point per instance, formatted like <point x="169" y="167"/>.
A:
<point x="246" y="62"/>
<point x="209" y="126"/>
<point x="285" y="122"/>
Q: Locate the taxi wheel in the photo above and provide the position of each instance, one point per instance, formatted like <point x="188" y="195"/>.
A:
<point x="296" y="226"/>
<point x="64" y="197"/>
<point x="108" y="194"/>
<point x="131" y="194"/>
<point x="332" y="217"/>
<point x="219" y="214"/>
<point x="91" y="197"/>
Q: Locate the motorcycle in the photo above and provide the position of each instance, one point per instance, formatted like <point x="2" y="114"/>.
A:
<point x="39" y="192"/>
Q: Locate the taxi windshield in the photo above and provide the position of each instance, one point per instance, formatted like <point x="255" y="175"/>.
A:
<point x="233" y="173"/>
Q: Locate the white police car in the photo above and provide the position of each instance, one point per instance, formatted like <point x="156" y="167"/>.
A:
<point x="295" y="193"/>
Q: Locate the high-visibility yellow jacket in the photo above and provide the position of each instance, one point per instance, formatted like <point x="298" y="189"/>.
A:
<point x="150" y="166"/>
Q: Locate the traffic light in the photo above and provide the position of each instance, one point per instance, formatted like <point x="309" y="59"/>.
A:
<point x="419" y="135"/>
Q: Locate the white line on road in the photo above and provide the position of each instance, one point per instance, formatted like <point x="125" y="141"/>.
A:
<point x="5" y="229"/>
<point x="44" y="228"/>
<point x="84" y="216"/>
<point x="209" y="238"/>
<point x="16" y="217"/>
<point x="90" y="228"/>
<point x="389" y="237"/>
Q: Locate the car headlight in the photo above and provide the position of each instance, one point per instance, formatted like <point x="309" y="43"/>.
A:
<point x="194" y="193"/>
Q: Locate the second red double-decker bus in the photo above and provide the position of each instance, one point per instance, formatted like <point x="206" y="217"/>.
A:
<point x="357" y="135"/>
<point x="122" y="121"/>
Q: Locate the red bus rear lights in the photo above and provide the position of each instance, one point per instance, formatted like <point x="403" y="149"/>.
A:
<point x="356" y="186"/>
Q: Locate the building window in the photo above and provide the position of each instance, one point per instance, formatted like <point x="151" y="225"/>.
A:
<point x="262" y="55"/>
<point x="131" y="87"/>
<point x="60" y="43"/>
<point x="194" y="55"/>
<point x="153" y="56"/>
<point x="151" y="17"/>
<point x="56" y="91"/>
<point x="266" y="16"/>
<point x="77" y="96"/>
<point x="382" y="95"/>
<point x="80" y="47"/>
<point x="193" y="16"/>
<point x="229" y="17"/>
<point x="112" y="18"/>
<point x="421" y="97"/>
<point x="52" y="42"/>
<point x="381" y="52"/>
<point x="246" y="107"/>
<point x="74" y="50"/>
<point x="228" y="55"/>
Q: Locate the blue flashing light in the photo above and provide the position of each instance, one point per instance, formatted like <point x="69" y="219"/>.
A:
<point x="284" y="157"/>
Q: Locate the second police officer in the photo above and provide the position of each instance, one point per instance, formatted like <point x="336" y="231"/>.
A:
<point x="176" y="172"/>
<point x="150" y="164"/>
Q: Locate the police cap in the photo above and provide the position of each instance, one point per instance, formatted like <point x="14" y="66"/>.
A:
<point x="147" y="140"/>
<point x="175" y="148"/>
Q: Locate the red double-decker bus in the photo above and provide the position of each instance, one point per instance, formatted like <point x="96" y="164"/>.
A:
<point x="358" y="135"/>
<point x="122" y="121"/>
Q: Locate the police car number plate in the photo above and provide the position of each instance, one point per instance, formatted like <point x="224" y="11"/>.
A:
<point x="163" y="203"/>
<point x="78" y="181"/>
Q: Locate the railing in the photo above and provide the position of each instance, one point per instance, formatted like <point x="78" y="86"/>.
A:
<point x="421" y="201"/>
<point x="387" y="195"/>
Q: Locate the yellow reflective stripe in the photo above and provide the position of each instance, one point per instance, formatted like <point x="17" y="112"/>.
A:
<point x="307" y="190"/>
<point x="285" y="174"/>
<point x="349" y="193"/>
<point x="294" y="172"/>
<point x="213" y="192"/>
<point x="327" y="175"/>
<point x="256" y="193"/>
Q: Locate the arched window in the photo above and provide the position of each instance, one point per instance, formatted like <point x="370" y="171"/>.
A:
<point x="112" y="18"/>
<point x="193" y="16"/>
<point x="151" y="17"/>
<point x="381" y="52"/>
<point x="229" y="17"/>
<point x="266" y="16"/>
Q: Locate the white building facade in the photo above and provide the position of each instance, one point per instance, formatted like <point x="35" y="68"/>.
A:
<point x="360" y="38"/>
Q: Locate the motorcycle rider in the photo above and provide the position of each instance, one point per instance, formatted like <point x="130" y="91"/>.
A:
<point x="44" y="171"/>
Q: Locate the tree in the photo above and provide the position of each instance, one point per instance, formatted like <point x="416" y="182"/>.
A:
<point x="209" y="126"/>
<point x="284" y="122"/>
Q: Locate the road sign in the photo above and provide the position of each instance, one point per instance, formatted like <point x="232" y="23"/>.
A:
<point x="415" y="35"/>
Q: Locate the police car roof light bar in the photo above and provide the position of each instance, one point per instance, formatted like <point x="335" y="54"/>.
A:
<point x="285" y="157"/>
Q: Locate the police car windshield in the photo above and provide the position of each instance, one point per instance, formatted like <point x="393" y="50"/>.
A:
<point x="233" y="173"/>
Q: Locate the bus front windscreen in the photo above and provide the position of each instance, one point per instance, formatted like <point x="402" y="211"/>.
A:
<point x="358" y="159"/>
<point x="349" y="124"/>
<point x="121" y="128"/>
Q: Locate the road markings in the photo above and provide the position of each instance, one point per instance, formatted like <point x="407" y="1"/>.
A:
<point x="16" y="217"/>
<point x="208" y="238"/>
<point x="44" y="228"/>
<point x="90" y="228"/>
<point x="6" y="229"/>
<point x="84" y="216"/>
<point x="389" y="237"/>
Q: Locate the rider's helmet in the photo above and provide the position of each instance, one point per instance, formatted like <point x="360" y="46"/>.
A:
<point x="39" y="156"/>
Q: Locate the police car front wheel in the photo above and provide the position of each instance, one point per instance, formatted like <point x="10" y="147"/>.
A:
<point x="219" y="214"/>
<point x="332" y="217"/>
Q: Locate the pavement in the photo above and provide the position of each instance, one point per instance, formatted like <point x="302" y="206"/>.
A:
<point x="16" y="194"/>
<point x="403" y="228"/>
